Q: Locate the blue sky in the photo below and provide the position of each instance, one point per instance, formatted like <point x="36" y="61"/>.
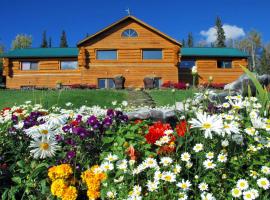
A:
<point x="173" y="17"/>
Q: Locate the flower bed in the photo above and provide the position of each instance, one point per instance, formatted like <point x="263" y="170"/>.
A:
<point x="216" y="151"/>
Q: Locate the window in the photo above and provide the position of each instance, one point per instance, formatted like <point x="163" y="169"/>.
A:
<point x="188" y="64"/>
<point x="225" y="64"/>
<point x="152" y="54"/>
<point x="129" y="33"/>
<point x="106" y="55"/>
<point x="29" y="65"/>
<point x="68" y="64"/>
<point x="106" y="83"/>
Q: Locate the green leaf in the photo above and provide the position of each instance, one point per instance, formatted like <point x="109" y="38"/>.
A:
<point x="107" y="140"/>
<point x="17" y="180"/>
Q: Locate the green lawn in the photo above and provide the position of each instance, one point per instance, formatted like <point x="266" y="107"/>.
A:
<point x="167" y="97"/>
<point x="53" y="97"/>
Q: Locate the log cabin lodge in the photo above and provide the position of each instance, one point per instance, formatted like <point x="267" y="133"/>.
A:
<point x="128" y="47"/>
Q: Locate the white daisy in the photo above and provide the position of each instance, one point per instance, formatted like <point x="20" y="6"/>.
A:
<point x="242" y="184"/>
<point x="185" y="157"/>
<point x="168" y="176"/>
<point x="122" y="164"/>
<point x="111" y="157"/>
<point x="251" y="131"/>
<point x="150" y="162"/>
<point x="265" y="170"/>
<point x="236" y="192"/>
<point x="184" y="185"/>
<point x="255" y="192"/>
<point x="208" y="164"/>
<point x="222" y="158"/>
<point x="106" y="166"/>
<point x="152" y="185"/>
<point x="157" y="175"/>
<point x="111" y="194"/>
<point x="263" y="183"/>
<point x="203" y="186"/>
<point x="229" y="128"/>
<point x="210" y="155"/>
<point x="207" y="196"/>
<point x="248" y="195"/>
<point x="166" y="161"/>
<point x="177" y="169"/>
<point x="208" y="124"/>
<point x="182" y="196"/>
<point x="43" y="147"/>
<point x="198" y="147"/>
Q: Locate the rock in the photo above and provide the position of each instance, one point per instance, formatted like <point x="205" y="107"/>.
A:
<point x="139" y="114"/>
<point x="241" y="84"/>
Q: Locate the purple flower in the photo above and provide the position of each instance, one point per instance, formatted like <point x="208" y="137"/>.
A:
<point x="71" y="154"/>
<point x="107" y="122"/>
<point x="79" y="118"/>
<point x="14" y="118"/>
<point x="110" y="113"/>
<point x="66" y="128"/>
<point x="70" y="141"/>
<point x="92" y="120"/>
<point x="58" y="138"/>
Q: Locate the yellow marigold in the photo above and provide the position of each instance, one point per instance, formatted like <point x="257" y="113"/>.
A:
<point x="60" y="171"/>
<point x="93" y="194"/>
<point x="58" y="187"/>
<point x="70" y="193"/>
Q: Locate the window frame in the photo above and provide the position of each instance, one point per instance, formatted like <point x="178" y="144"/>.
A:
<point x="152" y="49"/>
<point x="107" y="84"/>
<point x="127" y="37"/>
<point x="224" y="60"/>
<point x="60" y="64"/>
<point x="97" y="50"/>
<point x="29" y="61"/>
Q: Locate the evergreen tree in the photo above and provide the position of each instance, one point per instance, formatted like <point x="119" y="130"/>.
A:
<point x="265" y="61"/>
<point x="190" y="40"/>
<point x="183" y="43"/>
<point x="50" y="42"/>
<point x="63" y="40"/>
<point x="221" y="38"/>
<point x="44" y="43"/>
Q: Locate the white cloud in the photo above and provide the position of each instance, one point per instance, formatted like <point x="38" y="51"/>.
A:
<point x="231" y="32"/>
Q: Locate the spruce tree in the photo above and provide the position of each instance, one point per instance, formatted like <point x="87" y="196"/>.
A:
<point x="183" y="43"/>
<point x="50" y="42"/>
<point x="265" y="62"/>
<point x="221" y="38"/>
<point x="190" y="40"/>
<point x="63" y="40"/>
<point x="44" y="43"/>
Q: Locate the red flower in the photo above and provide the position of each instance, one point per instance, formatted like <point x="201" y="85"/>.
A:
<point x="156" y="131"/>
<point x="166" y="149"/>
<point x="74" y="123"/>
<point x="132" y="153"/>
<point x="181" y="128"/>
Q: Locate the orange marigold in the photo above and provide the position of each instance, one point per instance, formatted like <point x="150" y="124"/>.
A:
<point x="62" y="171"/>
<point x="70" y="193"/>
<point x="58" y="187"/>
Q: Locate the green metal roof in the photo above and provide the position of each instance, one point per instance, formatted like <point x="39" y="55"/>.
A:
<point x="73" y="52"/>
<point x="213" y="52"/>
<point x="42" y="53"/>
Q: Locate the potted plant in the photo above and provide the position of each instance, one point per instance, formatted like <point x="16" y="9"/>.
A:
<point x="59" y="84"/>
<point x="149" y="82"/>
<point x="119" y="81"/>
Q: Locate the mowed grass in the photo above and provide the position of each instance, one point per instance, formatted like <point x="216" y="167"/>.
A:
<point x="50" y="98"/>
<point x="167" y="97"/>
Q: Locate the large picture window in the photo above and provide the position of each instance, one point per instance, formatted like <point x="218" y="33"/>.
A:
<point x="68" y="65"/>
<point x="224" y="64"/>
<point x="106" y="83"/>
<point x="29" y="65"/>
<point x="187" y="64"/>
<point x="152" y="54"/>
<point x="106" y="54"/>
